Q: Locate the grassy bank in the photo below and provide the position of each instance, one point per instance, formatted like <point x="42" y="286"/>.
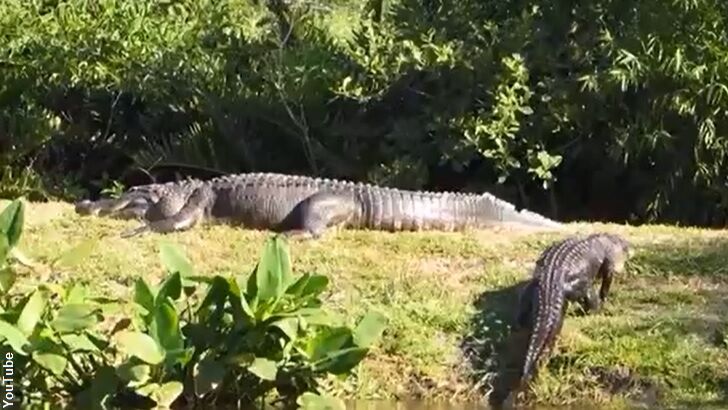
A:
<point x="447" y="295"/>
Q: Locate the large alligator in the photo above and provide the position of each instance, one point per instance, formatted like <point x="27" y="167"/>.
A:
<point x="566" y="272"/>
<point x="305" y="205"/>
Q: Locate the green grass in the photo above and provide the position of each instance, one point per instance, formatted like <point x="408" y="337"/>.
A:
<point x="450" y="293"/>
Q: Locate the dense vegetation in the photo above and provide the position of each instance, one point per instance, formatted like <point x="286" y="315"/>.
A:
<point x="603" y="109"/>
<point x="192" y="341"/>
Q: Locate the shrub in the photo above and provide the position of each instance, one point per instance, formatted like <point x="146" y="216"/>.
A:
<point x="188" y="342"/>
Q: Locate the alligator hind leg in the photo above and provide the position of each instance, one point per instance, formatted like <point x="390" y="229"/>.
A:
<point x="163" y="219"/>
<point x="315" y="214"/>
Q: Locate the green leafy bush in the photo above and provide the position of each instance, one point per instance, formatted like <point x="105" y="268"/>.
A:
<point x="539" y="100"/>
<point x="190" y="341"/>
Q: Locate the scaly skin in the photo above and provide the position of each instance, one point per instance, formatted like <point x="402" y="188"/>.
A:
<point x="566" y="272"/>
<point x="305" y="205"/>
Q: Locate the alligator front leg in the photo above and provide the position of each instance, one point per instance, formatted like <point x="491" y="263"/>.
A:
<point x="315" y="214"/>
<point x="606" y="275"/>
<point x="591" y="302"/>
<point x="191" y="213"/>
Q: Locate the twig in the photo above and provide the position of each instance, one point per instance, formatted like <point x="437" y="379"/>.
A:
<point x="299" y="122"/>
<point x="111" y="115"/>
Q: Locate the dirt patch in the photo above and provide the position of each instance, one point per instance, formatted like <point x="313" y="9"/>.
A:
<point x="624" y="381"/>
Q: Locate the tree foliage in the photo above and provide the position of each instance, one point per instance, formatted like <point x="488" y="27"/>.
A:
<point x="605" y="109"/>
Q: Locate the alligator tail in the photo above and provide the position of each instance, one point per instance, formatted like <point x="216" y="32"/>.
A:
<point x="495" y="211"/>
<point x="549" y="318"/>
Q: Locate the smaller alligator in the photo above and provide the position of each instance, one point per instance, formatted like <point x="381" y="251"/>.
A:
<point x="305" y="205"/>
<point x="566" y="272"/>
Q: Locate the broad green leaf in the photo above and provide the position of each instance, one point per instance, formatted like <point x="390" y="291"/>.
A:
<point x="14" y="337"/>
<point x="238" y="298"/>
<point x="79" y="343"/>
<point x="76" y="254"/>
<point x="77" y="294"/>
<point x="341" y="361"/>
<point x="264" y="368"/>
<point x="165" y="327"/>
<point x="22" y="259"/>
<point x="4" y="249"/>
<point x="217" y="292"/>
<point x="208" y="374"/>
<point x="55" y="363"/>
<point x="284" y="259"/>
<point x="74" y="317"/>
<point x="32" y="312"/>
<point x="101" y="342"/>
<point x="174" y="260"/>
<point x="171" y="287"/>
<point x="273" y="271"/>
<point x="139" y="345"/>
<point x="313" y="401"/>
<point x="137" y="373"/>
<point x="298" y="285"/>
<point x="369" y="329"/>
<point x="246" y="306"/>
<point x="111" y="308"/>
<point x="7" y="279"/>
<point x="167" y="393"/>
<point x="308" y="285"/>
<point x="289" y="326"/>
<point x="11" y="222"/>
<point x="267" y="282"/>
<point x="251" y="289"/>
<point x="329" y="340"/>
<point x="143" y="295"/>
<point x="148" y="389"/>
<point x="102" y="387"/>
<point x="213" y="308"/>
<point x="56" y="290"/>
<point x="179" y="356"/>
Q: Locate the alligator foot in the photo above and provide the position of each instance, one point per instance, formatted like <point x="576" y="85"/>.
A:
<point x="590" y="302"/>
